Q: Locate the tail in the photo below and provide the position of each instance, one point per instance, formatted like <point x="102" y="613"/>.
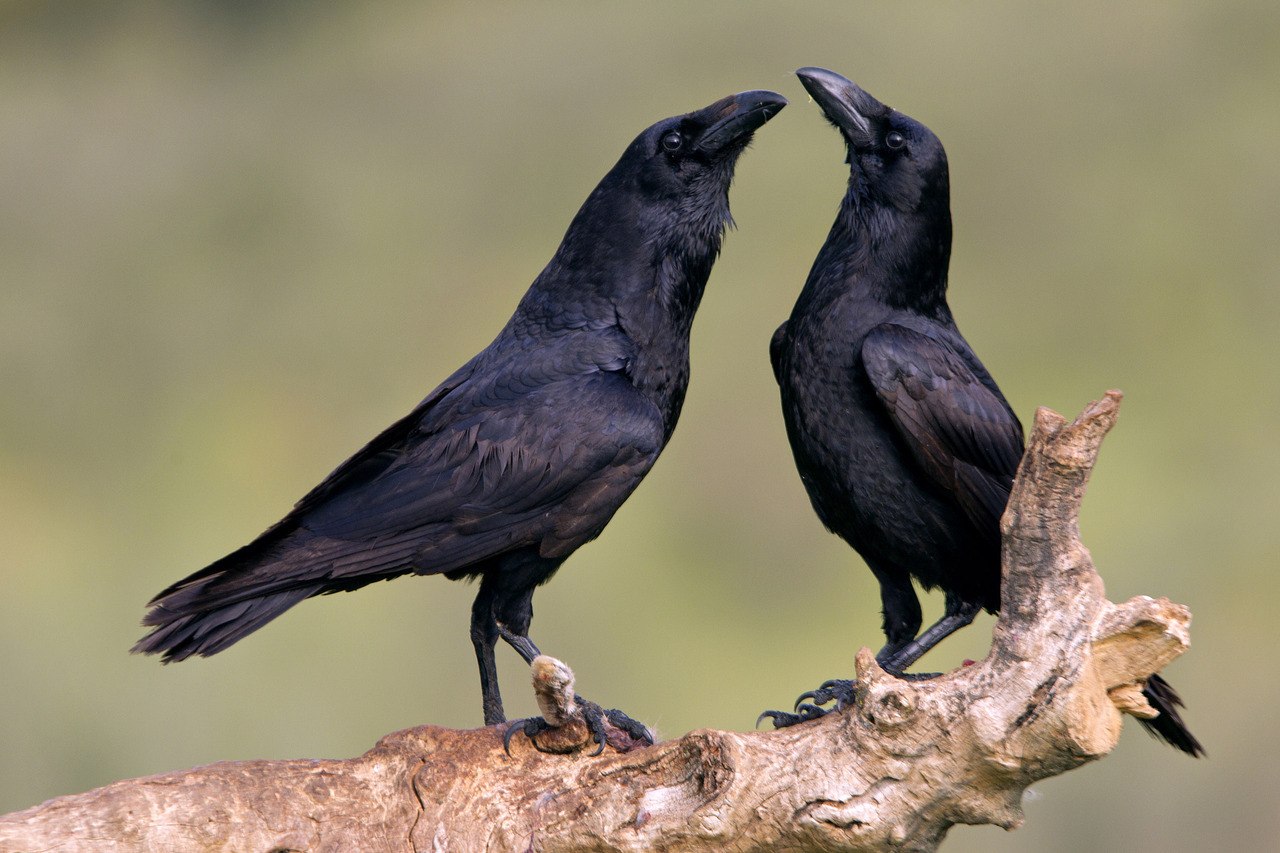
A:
<point x="1169" y="726"/>
<point x="223" y="603"/>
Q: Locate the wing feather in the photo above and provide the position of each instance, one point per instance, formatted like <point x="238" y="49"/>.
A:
<point x="950" y="412"/>
<point x="548" y="470"/>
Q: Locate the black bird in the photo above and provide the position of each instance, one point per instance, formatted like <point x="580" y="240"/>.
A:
<point x="527" y="450"/>
<point x="904" y="442"/>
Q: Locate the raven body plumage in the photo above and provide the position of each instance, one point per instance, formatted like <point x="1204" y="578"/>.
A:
<point x="904" y="442"/>
<point x="525" y="452"/>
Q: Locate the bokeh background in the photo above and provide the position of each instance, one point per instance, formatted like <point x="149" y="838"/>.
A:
<point x="237" y="239"/>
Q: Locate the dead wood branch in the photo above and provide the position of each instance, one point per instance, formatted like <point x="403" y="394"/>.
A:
<point x="896" y="771"/>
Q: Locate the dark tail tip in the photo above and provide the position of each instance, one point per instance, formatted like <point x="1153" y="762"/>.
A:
<point x="1169" y="726"/>
<point x="214" y="627"/>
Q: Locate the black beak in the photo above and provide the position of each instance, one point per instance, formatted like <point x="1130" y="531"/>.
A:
<point x="735" y="118"/>
<point x="845" y="103"/>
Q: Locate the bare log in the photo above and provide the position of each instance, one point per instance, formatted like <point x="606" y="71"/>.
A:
<point x="895" y="771"/>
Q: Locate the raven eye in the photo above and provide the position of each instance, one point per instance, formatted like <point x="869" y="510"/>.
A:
<point x="672" y="141"/>
<point x="895" y="140"/>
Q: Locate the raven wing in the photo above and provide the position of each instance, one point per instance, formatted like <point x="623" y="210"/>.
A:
<point x="467" y="477"/>
<point x="546" y="469"/>
<point x="534" y="454"/>
<point x="951" y="414"/>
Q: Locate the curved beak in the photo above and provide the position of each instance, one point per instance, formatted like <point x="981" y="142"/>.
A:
<point x="735" y="118"/>
<point x="845" y="103"/>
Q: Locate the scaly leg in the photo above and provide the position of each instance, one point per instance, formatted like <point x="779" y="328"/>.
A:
<point x="484" y="636"/>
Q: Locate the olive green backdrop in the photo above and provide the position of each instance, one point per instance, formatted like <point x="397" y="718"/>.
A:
<point x="238" y="239"/>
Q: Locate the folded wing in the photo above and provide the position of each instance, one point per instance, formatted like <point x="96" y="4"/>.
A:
<point x="951" y="414"/>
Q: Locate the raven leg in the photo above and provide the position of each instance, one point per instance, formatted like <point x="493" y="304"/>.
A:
<point x="958" y="614"/>
<point x="901" y="609"/>
<point x="520" y="642"/>
<point x="484" y="636"/>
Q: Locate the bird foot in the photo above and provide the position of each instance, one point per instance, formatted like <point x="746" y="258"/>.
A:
<point x="604" y="726"/>
<point x="838" y="690"/>
<point x="783" y="719"/>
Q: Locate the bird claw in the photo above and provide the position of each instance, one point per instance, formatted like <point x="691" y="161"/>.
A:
<point x="807" y="705"/>
<point x="839" y="689"/>
<point x="635" y="729"/>
<point x="532" y="727"/>
<point x="782" y="719"/>
<point x="593" y="716"/>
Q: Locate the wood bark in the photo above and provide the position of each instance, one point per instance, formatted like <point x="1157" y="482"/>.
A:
<point x="895" y="771"/>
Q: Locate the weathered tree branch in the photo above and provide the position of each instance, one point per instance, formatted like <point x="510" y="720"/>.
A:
<point x="898" y="769"/>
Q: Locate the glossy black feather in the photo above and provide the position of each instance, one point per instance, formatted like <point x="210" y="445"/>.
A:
<point x="904" y="442"/>
<point x="952" y="416"/>
<point x="526" y="452"/>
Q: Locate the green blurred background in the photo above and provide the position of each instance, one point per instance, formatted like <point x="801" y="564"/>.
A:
<point x="237" y="239"/>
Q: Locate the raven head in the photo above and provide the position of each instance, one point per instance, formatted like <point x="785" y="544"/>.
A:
<point x="893" y="159"/>
<point x="664" y="205"/>
<point x="673" y="179"/>
<point x="680" y="170"/>
<point x="696" y="152"/>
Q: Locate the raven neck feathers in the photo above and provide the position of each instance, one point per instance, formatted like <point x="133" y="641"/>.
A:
<point x="628" y="256"/>
<point x="638" y="265"/>
<point x="877" y="251"/>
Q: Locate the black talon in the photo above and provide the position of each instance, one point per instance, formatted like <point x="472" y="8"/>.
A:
<point x="839" y="689"/>
<point x="808" y="704"/>
<point x="634" y="728"/>
<point x="593" y="716"/>
<point x="782" y="720"/>
<point x="506" y="739"/>
<point x="532" y="727"/>
<point x="596" y="716"/>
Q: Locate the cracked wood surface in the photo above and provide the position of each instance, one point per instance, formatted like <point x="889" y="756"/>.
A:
<point x="896" y="771"/>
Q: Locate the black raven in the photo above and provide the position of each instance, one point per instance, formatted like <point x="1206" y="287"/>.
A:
<point x="904" y="442"/>
<point x="527" y="450"/>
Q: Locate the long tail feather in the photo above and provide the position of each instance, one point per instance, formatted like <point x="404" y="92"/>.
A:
<point x="1169" y="726"/>
<point x="208" y="631"/>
